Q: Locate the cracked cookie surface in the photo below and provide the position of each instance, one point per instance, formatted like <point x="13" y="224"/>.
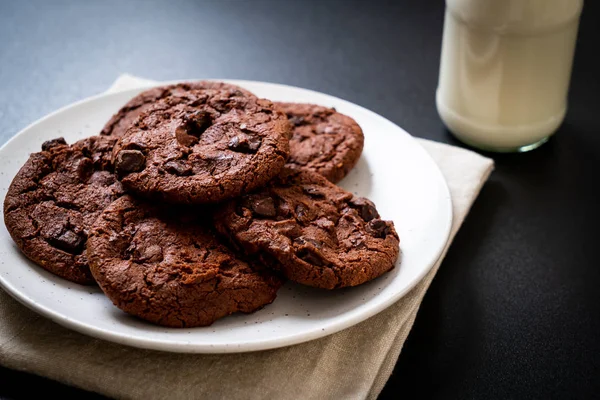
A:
<point x="314" y="232"/>
<point x="55" y="198"/>
<point x="125" y="117"/>
<point x="323" y="140"/>
<point x="162" y="265"/>
<point x="203" y="146"/>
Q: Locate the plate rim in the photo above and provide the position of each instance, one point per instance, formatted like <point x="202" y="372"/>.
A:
<point x="253" y="345"/>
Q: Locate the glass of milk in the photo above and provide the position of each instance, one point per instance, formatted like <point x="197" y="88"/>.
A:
<point x="505" y="70"/>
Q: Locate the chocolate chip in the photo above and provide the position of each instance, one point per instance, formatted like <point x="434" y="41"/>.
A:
<point x="301" y="211"/>
<point x="132" y="146"/>
<point x="120" y="242"/>
<point x="313" y="191"/>
<point x="67" y="241"/>
<point x="264" y="206"/>
<point x="191" y="127"/>
<point x="288" y="227"/>
<point x="202" y="121"/>
<point x="296" y="120"/>
<point x="101" y="160"/>
<point x="254" y="143"/>
<point x="304" y="241"/>
<point x="151" y="253"/>
<point x="358" y="242"/>
<point x="310" y="257"/>
<point x="378" y="228"/>
<point x="198" y="100"/>
<point x="183" y="137"/>
<point x="234" y="142"/>
<point x="237" y="93"/>
<point x="179" y="168"/>
<point x="244" y="144"/>
<point x="85" y="169"/>
<point x="365" y="208"/>
<point x="324" y="223"/>
<point x="222" y="105"/>
<point x="48" y="144"/>
<point x="130" y="161"/>
<point x="300" y="240"/>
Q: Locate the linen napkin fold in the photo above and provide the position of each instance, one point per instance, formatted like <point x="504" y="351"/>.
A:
<point x="352" y="364"/>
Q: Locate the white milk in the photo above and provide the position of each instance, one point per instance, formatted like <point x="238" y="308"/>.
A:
<point x="505" y="70"/>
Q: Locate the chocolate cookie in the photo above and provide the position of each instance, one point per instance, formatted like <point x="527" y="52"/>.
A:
<point x="123" y="119"/>
<point x="323" y="140"/>
<point x="162" y="265"/>
<point x="54" y="199"/>
<point x="311" y="230"/>
<point x="203" y="147"/>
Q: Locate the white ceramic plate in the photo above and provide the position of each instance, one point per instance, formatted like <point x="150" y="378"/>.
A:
<point x="394" y="171"/>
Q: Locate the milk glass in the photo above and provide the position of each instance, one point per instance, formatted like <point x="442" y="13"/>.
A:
<point x="505" y="70"/>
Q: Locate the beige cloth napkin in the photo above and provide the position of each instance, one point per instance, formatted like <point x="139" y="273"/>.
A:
<point x="351" y="364"/>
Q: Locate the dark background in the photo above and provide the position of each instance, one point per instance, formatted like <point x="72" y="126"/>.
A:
<point x="514" y="311"/>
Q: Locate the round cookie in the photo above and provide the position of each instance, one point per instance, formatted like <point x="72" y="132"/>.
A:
<point x="55" y="198"/>
<point x="204" y="147"/>
<point x="323" y="140"/>
<point x="161" y="265"/>
<point x="124" y="118"/>
<point x="311" y="230"/>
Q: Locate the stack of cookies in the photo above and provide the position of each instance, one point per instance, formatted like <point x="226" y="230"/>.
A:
<point x="198" y="200"/>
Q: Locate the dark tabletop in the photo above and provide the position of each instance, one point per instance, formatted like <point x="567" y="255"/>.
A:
<point x="514" y="311"/>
